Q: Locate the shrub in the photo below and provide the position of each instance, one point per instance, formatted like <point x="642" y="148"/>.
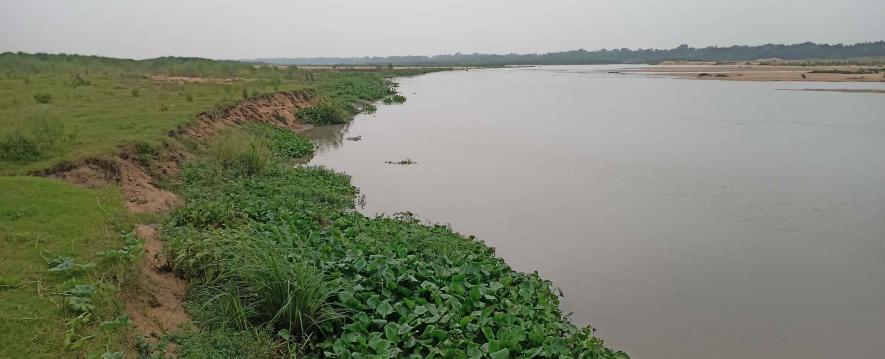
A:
<point x="189" y="98"/>
<point x="134" y="92"/>
<point x="77" y="81"/>
<point x="42" y="97"/>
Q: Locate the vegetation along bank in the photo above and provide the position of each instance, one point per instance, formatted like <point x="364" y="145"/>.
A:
<point x="136" y="189"/>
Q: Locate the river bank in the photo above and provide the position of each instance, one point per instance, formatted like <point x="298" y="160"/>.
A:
<point x="275" y="260"/>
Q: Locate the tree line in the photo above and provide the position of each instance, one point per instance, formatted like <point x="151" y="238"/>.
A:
<point x="806" y="50"/>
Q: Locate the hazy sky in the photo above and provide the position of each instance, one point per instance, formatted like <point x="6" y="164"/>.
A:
<point x="262" y="28"/>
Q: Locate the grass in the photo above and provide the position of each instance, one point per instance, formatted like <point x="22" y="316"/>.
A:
<point x="102" y="104"/>
<point x="106" y="105"/>
<point x="40" y="220"/>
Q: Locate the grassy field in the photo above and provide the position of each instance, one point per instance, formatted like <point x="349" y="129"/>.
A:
<point x="279" y="263"/>
<point x="42" y="223"/>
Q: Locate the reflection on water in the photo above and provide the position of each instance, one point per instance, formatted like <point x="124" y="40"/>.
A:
<point x="328" y="137"/>
<point x="682" y="218"/>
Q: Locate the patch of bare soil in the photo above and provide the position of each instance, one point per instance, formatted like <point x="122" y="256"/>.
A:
<point x="92" y="174"/>
<point x="141" y="195"/>
<point x="158" y="307"/>
<point x="276" y="109"/>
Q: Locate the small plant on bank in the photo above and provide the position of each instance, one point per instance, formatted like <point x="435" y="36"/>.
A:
<point x="42" y="97"/>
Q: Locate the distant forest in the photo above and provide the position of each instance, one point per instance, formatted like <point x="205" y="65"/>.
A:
<point x="807" y="50"/>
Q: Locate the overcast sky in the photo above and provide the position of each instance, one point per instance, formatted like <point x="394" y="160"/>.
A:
<point x="292" y="28"/>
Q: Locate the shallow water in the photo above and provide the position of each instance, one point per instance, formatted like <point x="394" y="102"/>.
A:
<point x="682" y="218"/>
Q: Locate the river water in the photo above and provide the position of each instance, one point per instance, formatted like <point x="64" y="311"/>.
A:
<point x="681" y="218"/>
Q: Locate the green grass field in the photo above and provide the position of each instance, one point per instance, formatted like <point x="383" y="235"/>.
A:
<point x="42" y="219"/>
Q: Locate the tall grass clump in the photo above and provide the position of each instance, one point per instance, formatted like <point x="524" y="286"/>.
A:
<point x="241" y="152"/>
<point x="287" y="292"/>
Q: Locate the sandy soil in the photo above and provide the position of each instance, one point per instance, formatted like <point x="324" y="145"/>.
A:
<point x="157" y="307"/>
<point x="706" y="71"/>
<point x="840" y="90"/>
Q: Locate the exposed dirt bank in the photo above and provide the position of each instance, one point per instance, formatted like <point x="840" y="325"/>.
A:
<point x="157" y="307"/>
<point x="140" y="185"/>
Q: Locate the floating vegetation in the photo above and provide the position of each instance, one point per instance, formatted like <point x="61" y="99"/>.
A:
<point x="395" y="98"/>
<point x="354" y="138"/>
<point x="407" y="161"/>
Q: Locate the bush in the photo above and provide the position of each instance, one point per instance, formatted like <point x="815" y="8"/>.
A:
<point x="42" y="97"/>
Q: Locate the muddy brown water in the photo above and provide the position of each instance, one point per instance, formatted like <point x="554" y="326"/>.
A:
<point x="682" y="218"/>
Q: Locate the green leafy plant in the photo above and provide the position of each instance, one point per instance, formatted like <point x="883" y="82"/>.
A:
<point x="282" y="141"/>
<point x="282" y="250"/>
<point x="67" y="264"/>
<point x="132" y="250"/>
<point x="42" y="97"/>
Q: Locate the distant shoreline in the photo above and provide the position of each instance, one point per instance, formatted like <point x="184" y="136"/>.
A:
<point x="753" y="72"/>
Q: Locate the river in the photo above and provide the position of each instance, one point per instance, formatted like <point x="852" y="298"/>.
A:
<point x="681" y="218"/>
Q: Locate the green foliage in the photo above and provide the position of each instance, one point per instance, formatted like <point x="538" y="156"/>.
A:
<point x="283" y="142"/>
<point x="282" y="250"/>
<point x="396" y="98"/>
<point x="44" y="224"/>
<point x="33" y="138"/>
<point x="324" y="112"/>
<point x="42" y="97"/>
<point x="226" y="344"/>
